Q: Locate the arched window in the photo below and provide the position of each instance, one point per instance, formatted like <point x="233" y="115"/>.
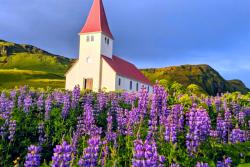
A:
<point x="137" y="86"/>
<point x="92" y="38"/>
<point x="87" y="38"/>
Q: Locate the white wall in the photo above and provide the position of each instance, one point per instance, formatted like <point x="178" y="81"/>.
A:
<point x="125" y="84"/>
<point x="108" y="77"/>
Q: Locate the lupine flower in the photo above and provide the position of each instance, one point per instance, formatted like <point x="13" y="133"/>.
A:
<point x="110" y="135"/>
<point x="175" y="165"/>
<point x="48" y="107"/>
<point x="237" y="135"/>
<point x="143" y="102"/>
<point x="12" y="129"/>
<point x="76" y="94"/>
<point x="41" y="133"/>
<point x="33" y="158"/>
<point x="199" y="128"/>
<point x="221" y="128"/>
<point x="27" y="103"/>
<point x="242" y="118"/>
<point x="171" y="130"/>
<point x="66" y="106"/>
<point x="40" y="103"/>
<point x="90" y="155"/>
<point x="101" y="100"/>
<point x="226" y="162"/>
<point x="202" y="164"/>
<point x="86" y="124"/>
<point x="62" y="155"/>
<point x="145" y="154"/>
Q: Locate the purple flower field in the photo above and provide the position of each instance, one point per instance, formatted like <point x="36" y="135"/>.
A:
<point x="60" y="129"/>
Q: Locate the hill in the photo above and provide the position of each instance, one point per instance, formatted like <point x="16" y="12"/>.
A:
<point x="202" y="75"/>
<point x="28" y="57"/>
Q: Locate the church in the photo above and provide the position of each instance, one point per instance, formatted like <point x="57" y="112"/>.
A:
<point x="97" y="68"/>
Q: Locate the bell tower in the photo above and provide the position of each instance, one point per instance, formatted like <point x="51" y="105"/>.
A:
<point x="96" y="40"/>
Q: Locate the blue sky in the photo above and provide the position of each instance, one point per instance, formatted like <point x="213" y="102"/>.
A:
<point x="149" y="33"/>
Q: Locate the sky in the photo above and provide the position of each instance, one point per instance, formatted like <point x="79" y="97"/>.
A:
<point x="149" y="33"/>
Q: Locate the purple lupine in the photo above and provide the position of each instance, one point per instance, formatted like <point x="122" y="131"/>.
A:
<point x="199" y="128"/>
<point x="208" y="102"/>
<point x="175" y="165"/>
<point x="226" y="162"/>
<point x="217" y="103"/>
<point x="143" y="102"/>
<point x="101" y="100"/>
<point x="86" y="123"/>
<point x="202" y="164"/>
<point x="33" y="158"/>
<point x="121" y="121"/>
<point x="110" y="135"/>
<point x="48" y="107"/>
<point x="131" y="119"/>
<point x="171" y="130"/>
<point x="87" y="99"/>
<point x="237" y="136"/>
<point x="241" y="118"/>
<point x="76" y="94"/>
<point x="58" y="98"/>
<point x="27" y="103"/>
<point x="145" y="154"/>
<point x="41" y="133"/>
<point x="12" y="129"/>
<point x="228" y="120"/>
<point x="66" y="106"/>
<point x="40" y="103"/>
<point x="91" y="153"/>
<point x="62" y="155"/>
<point x="221" y="128"/>
<point x="13" y="94"/>
<point x="214" y="134"/>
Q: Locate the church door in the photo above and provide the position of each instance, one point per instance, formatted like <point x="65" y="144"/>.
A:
<point x="88" y="84"/>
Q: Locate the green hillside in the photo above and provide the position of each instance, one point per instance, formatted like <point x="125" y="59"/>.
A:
<point x="202" y="75"/>
<point x="37" y="79"/>
<point x="27" y="57"/>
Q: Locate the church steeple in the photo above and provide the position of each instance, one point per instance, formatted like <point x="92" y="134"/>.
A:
<point x="97" y="20"/>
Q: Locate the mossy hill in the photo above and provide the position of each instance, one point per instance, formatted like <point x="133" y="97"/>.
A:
<point x="202" y="75"/>
<point x="28" y="57"/>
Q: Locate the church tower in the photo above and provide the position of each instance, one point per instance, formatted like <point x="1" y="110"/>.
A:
<point x="96" y="40"/>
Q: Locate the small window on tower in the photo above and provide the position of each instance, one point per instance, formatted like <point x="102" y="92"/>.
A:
<point x="105" y="40"/>
<point x="87" y="38"/>
<point x="92" y="38"/>
<point x="108" y="41"/>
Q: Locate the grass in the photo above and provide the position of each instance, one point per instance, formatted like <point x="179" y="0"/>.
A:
<point x="38" y="79"/>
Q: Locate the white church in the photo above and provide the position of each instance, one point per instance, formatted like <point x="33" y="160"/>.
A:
<point x="97" y="68"/>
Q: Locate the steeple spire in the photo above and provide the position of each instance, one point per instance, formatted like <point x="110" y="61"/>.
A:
<point x="97" y="20"/>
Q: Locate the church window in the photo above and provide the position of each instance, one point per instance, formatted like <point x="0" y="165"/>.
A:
<point x="119" y="81"/>
<point x="148" y="88"/>
<point x="137" y="86"/>
<point x="108" y="41"/>
<point x="87" y="39"/>
<point x="105" y="40"/>
<point x="131" y="85"/>
<point x="92" y="38"/>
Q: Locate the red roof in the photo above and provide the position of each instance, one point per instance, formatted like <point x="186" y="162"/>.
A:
<point x="97" y="20"/>
<point x="126" y="69"/>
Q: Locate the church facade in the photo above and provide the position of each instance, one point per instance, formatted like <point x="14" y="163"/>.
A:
<point x="97" y="68"/>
